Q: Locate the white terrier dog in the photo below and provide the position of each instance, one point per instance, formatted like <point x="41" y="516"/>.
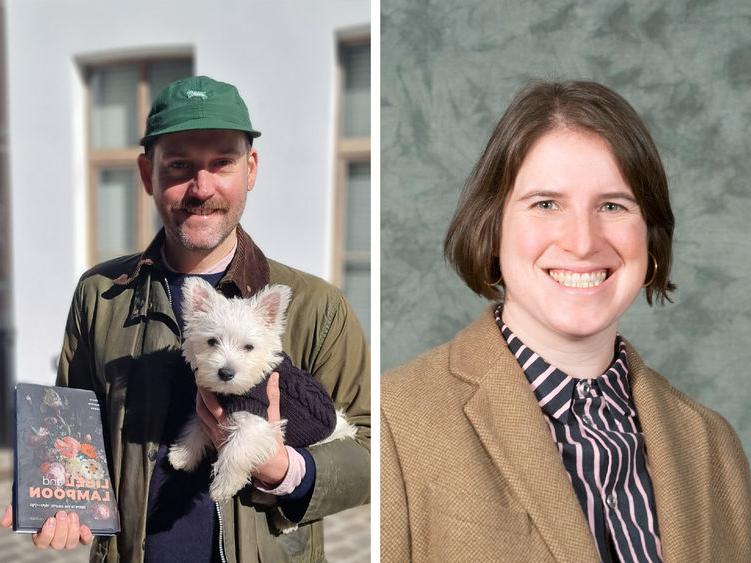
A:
<point x="232" y="345"/>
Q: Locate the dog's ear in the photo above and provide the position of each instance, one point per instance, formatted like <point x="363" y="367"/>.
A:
<point x="272" y="302"/>
<point x="198" y="296"/>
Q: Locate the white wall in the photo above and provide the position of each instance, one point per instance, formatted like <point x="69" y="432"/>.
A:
<point x="279" y="53"/>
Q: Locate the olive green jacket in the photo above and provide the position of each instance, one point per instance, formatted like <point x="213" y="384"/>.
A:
<point x="122" y="341"/>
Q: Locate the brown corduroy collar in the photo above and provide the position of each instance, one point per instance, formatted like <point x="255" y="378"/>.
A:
<point x="247" y="273"/>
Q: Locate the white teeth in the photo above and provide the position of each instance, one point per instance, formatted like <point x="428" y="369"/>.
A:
<point x="576" y="279"/>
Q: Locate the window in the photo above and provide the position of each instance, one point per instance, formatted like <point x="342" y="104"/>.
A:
<point x="122" y="219"/>
<point x="352" y="240"/>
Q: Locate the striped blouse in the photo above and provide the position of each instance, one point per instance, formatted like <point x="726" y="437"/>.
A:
<point x="597" y="432"/>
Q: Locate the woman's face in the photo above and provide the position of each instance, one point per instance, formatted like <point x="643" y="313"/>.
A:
<point x="573" y="241"/>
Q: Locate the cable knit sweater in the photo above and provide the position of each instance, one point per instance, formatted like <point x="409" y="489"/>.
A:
<point x="303" y="402"/>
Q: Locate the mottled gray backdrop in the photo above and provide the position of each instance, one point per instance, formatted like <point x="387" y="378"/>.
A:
<point x="449" y="69"/>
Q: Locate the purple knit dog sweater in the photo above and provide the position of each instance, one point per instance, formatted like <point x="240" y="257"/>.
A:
<point x="303" y="402"/>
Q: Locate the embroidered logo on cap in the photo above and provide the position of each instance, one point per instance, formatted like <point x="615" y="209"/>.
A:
<point x="196" y="94"/>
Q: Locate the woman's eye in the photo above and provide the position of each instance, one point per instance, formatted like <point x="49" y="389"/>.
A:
<point x="547" y="205"/>
<point x="610" y="206"/>
<point x="212" y="342"/>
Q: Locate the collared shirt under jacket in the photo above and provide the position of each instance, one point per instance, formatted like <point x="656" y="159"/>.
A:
<point x="596" y="429"/>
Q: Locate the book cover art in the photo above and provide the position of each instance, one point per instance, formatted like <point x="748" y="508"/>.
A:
<point x="60" y="460"/>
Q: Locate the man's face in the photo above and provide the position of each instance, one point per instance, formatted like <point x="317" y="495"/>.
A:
<point x="199" y="181"/>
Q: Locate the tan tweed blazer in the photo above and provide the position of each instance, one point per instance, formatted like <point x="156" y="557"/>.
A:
<point x="469" y="471"/>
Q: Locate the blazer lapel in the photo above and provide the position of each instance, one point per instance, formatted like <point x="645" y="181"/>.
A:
<point x="512" y="429"/>
<point x="678" y="456"/>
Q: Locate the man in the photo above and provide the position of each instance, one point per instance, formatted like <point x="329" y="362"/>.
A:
<point x="123" y="340"/>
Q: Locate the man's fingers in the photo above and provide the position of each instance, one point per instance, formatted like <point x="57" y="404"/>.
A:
<point x="61" y="531"/>
<point x="210" y="425"/>
<point x="74" y="531"/>
<point x="272" y="390"/>
<point x="7" y="520"/>
<point x="212" y="405"/>
<point x="203" y="412"/>
<point x="44" y="536"/>
<point x="86" y="536"/>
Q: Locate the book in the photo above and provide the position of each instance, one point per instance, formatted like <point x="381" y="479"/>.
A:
<point x="60" y="461"/>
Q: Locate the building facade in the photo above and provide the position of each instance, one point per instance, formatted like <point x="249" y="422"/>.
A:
<point x="80" y="78"/>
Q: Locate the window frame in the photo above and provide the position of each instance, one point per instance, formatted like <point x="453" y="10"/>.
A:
<point x="348" y="150"/>
<point x="121" y="158"/>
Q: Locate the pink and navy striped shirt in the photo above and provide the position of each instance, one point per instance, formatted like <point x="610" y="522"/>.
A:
<point x="597" y="432"/>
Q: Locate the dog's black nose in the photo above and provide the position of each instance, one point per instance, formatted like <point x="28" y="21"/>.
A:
<point x="225" y="374"/>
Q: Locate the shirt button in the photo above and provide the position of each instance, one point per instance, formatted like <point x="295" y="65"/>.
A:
<point x="611" y="500"/>
<point x="584" y="388"/>
<point x="587" y="420"/>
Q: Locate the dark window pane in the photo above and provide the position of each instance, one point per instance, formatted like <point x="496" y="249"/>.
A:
<point x="114" y="107"/>
<point x="356" y="102"/>
<point x="358" y="207"/>
<point x="115" y="213"/>
<point x="357" y="292"/>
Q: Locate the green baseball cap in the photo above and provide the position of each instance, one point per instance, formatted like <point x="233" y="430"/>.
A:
<point x="198" y="102"/>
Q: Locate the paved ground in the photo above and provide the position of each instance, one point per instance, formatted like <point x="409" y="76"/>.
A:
<point x="347" y="533"/>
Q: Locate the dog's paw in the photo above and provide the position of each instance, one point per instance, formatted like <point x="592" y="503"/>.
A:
<point x="181" y="457"/>
<point x="224" y="487"/>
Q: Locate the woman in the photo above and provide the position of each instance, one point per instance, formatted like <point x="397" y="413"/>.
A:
<point x="537" y="433"/>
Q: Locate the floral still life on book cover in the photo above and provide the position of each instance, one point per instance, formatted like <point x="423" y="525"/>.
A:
<point x="60" y="460"/>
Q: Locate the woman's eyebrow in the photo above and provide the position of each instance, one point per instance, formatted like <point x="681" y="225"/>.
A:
<point x="619" y="195"/>
<point x="543" y="193"/>
<point x="553" y="195"/>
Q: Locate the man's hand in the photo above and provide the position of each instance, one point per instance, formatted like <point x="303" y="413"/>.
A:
<point x="214" y="421"/>
<point x="274" y="470"/>
<point x="211" y="415"/>
<point x="63" y="531"/>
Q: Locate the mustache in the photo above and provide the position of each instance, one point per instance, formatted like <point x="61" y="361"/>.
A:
<point x="192" y="205"/>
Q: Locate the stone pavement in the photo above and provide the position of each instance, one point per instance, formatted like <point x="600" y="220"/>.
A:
<point x="347" y="533"/>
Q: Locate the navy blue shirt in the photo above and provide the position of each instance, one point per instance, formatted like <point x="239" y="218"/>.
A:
<point x="181" y="520"/>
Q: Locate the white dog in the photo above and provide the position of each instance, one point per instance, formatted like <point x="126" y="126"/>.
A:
<point x="232" y="345"/>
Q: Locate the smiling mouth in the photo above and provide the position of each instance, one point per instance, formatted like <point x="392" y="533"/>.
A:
<point x="581" y="280"/>
<point x="200" y="211"/>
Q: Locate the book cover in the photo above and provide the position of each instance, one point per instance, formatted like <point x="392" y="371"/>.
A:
<point x="60" y="460"/>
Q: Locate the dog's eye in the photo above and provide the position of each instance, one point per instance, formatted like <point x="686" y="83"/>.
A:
<point x="248" y="347"/>
<point x="212" y="342"/>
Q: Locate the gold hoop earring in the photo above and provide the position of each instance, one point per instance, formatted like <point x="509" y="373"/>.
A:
<point x="499" y="281"/>
<point x="654" y="271"/>
<point x="496" y="283"/>
<point x="496" y="265"/>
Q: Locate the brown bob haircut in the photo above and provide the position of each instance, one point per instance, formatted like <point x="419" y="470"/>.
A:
<point x="473" y="238"/>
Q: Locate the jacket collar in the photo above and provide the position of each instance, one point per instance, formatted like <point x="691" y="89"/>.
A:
<point x="508" y="421"/>
<point x="679" y="458"/>
<point x="555" y="390"/>
<point x="248" y="272"/>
